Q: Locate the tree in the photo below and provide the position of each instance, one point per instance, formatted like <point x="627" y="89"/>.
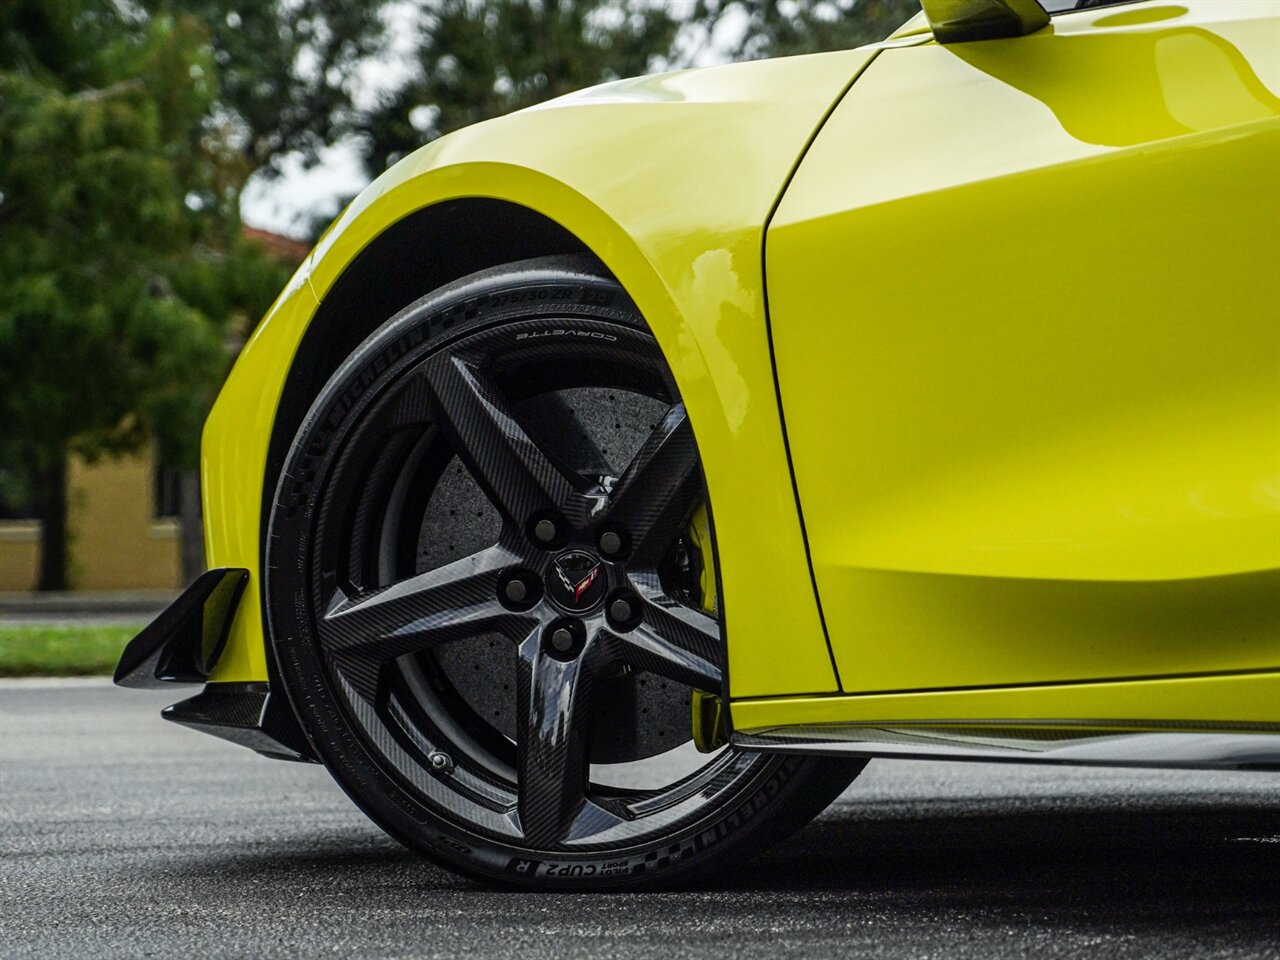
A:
<point x="287" y="70"/>
<point x="107" y="180"/>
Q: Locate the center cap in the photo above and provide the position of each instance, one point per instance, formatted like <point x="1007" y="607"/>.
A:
<point x="577" y="580"/>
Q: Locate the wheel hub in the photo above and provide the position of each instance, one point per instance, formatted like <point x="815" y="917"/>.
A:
<point x="577" y="581"/>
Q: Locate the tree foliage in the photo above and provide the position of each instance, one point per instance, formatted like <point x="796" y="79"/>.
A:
<point x="117" y="236"/>
<point x="287" y="70"/>
<point x="97" y="190"/>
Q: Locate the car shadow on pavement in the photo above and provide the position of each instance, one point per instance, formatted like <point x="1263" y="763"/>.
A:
<point x="1196" y="871"/>
<point x="1041" y="853"/>
<point x="1171" y="863"/>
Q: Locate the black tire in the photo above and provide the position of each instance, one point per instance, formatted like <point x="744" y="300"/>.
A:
<point x="502" y="712"/>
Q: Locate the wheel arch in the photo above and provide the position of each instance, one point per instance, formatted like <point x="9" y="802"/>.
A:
<point x="424" y="250"/>
<point x="682" y="232"/>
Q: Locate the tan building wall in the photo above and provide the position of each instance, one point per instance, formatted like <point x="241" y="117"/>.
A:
<point x="116" y="542"/>
<point x="19" y="542"/>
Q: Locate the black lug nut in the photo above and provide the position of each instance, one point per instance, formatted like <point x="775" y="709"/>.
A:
<point x="610" y="543"/>
<point x="624" y="609"/>
<point x="545" y="531"/>
<point x="519" y="590"/>
<point x="562" y="639"/>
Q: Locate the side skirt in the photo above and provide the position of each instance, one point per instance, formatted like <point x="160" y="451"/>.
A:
<point x="1086" y="743"/>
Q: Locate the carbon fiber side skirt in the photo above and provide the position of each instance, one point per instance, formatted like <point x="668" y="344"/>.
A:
<point x="1085" y="743"/>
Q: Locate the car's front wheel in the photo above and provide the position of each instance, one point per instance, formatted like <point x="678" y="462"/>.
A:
<point x="491" y="593"/>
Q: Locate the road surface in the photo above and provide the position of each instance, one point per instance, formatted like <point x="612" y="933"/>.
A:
<point x="125" y="836"/>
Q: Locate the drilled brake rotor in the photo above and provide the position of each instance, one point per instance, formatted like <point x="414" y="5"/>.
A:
<point x="639" y="715"/>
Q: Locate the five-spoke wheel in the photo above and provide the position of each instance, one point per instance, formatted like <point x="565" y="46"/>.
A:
<point x="493" y="594"/>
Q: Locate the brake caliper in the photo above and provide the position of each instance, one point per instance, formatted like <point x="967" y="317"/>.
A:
<point x="702" y="561"/>
<point x="709" y="717"/>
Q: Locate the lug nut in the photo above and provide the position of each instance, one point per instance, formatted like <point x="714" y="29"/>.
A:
<point x="519" y="590"/>
<point x="621" y="610"/>
<point x="544" y="531"/>
<point x="610" y="543"/>
<point x="562" y="639"/>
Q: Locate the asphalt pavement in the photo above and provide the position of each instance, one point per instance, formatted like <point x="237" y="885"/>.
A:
<point x="124" y="836"/>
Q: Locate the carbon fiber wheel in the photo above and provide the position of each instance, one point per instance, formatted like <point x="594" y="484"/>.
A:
<point x="491" y="592"/>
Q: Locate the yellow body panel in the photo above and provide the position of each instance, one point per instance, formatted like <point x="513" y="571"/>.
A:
<point x="1025" y="302"/>
<point x="1025" y="310"/>
<point x="669" y="180"/>
<point x="233" y="460"/>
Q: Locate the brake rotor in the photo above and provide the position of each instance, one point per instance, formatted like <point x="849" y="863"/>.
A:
<point x="638" y="715"/>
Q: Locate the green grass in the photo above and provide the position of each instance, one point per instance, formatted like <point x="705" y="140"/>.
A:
<point x="61" y="651"/>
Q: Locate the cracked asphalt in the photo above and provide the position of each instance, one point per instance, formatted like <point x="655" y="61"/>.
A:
<point x="124" y="836"/>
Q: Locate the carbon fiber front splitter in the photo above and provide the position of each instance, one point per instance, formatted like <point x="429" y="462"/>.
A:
<point x="245" y="713"/>
<point x="182" y="645"/>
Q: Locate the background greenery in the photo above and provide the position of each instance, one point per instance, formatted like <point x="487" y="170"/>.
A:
<point x="130" y="128"/>
<point x="61" y="651"/>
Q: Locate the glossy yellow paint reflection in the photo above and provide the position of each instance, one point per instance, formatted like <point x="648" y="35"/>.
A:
<point x="1036" y="429"/>
<point x="1160" y="83"/>
<point x="234" y="452"/>
<point x="669" y="181"/>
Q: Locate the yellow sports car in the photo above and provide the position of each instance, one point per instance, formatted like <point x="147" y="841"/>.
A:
<point x="978" y="333"/>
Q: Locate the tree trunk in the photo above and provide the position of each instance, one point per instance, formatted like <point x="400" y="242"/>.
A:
<point x="51" y="502"/>
<point x="190" y="525"/>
